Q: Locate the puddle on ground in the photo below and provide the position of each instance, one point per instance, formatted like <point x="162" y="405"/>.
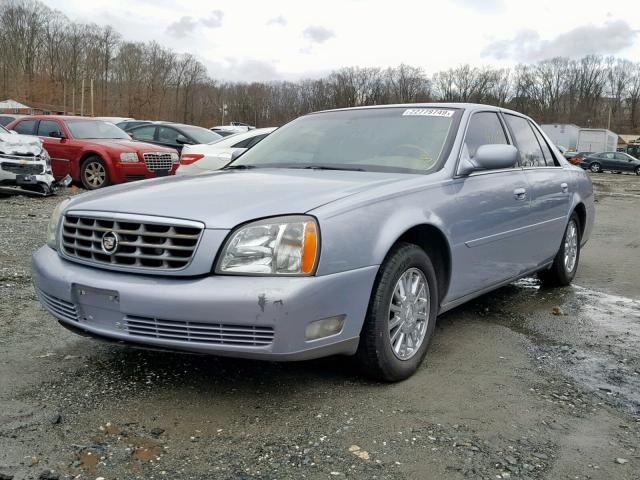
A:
<point x="587" y="335"/>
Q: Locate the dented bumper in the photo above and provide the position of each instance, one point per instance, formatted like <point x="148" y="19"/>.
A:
<point x="250" y="317"/>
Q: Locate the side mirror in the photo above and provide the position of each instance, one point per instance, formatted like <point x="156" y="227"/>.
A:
<point x="57" y="134"/>
<point x="490" y="157"/>
<point x="237" y="152"/>
<point x="182" y="140"/>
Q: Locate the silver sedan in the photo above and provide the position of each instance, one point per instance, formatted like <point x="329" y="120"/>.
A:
<point x="343" y="232"/>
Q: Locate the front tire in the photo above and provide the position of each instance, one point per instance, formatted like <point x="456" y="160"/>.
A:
<point x="595" y="167"/>
<point x="565" y="263"/>
<point x="401" y="317"/>
<point x="94" y="174"/>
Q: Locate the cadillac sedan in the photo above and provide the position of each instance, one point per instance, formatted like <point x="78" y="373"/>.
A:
<point x="344" y="232"/>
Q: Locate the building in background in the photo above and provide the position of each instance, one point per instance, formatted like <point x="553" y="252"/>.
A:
<point x="32" y="108"/>
<point x="562" y="134"/>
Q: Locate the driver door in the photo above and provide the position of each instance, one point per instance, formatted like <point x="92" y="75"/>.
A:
<point x="490" y="218"/>
<point x="55" y="141"/>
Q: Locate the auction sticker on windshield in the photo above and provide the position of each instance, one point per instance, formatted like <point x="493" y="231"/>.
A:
<point x="428" y="112"/>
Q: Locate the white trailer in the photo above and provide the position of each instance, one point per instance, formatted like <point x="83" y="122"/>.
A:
<point x="562" y="134"/>
<point x="597" y="140"/>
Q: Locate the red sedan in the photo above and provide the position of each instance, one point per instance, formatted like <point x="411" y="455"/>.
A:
<point x="95" y="152"/>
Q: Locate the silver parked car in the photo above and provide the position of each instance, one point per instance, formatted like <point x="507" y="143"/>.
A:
<point x="343" y="232"/>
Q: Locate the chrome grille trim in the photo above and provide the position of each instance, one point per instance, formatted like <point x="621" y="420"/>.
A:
<point x="23" y="168"/>
<point x="210" y="333"/>
<point x="158" y="161"/>
<point x="57" y="306"/>
<point x="145" y="242"/>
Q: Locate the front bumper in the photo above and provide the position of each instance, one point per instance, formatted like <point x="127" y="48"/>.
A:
<point x="174" y="311"/>
<point x="128" y="172"/>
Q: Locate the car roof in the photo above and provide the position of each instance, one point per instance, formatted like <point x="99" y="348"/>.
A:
<point x="463" y="106"/>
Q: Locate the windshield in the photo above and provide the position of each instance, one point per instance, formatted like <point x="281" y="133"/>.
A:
<point x="399" y="139"/>
<point x="200" y="135"/>
<point x="85" y="129"/>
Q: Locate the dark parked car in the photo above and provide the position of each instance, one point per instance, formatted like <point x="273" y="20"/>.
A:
<point x="612" y="161"/>
<point x="129" y="124"/>
<point x="7" y="119"/>
<point x="174" y="135"/>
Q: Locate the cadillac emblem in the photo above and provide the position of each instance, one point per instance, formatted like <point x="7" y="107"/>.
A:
<point x="110" y="241"/>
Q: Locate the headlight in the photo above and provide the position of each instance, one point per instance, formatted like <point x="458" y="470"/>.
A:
<point x="52" y="229"/>
<point x="175" y="158"/>
<point x="129" y="157"/>
<point x="274" y="246"/>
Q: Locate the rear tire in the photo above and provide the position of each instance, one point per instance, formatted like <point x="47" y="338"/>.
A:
<point x="94" y="174"/>
<point x="394" y="318"/>
<point x="638" y="171"/>
<point x="595" y="167"/>
<point x="565" y="263"/>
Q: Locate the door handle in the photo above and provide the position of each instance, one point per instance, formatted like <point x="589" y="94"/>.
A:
<point x="520" y="193"/>
<point x="564" y="187"/>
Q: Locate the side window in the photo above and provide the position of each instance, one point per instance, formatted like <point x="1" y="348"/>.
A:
<point x="609" y="156"/>
<point x="620" y="156"/>
<point x="530" y="152"/>
<point x="144" y="133"/>
<point x="243" y="143"/>
<point x="484" y="128"/>
<point x="256" y="139"/>
<point x="548" y="155"/>
<point x="168" y="135"/>
<point x="26" y="128"/>
<point x="48" y="127"/>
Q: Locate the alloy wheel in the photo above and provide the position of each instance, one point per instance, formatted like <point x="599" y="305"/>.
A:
<point x="95" y="174"/>
<point x="409" y="313"/>
<point x="571" y="246"/>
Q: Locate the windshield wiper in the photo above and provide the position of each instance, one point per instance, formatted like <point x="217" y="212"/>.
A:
<point x="328" y="167"/>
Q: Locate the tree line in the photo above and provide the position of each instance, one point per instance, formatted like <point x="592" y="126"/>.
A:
<point x="45" y="57"/>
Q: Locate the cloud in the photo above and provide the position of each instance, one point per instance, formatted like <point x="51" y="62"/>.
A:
<point x="527" y="46"/>
<point x="317" y="34"/>
<point x="279" y="21"/>
<point x="182" y="27"/>
<point x="214" y="20"/>
<point x="246" y="70"/>
<point x="484" y="6"/>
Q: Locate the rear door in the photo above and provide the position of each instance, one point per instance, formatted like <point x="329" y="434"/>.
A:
<point x="491" y="217"/>
<point x="550" y="190"/>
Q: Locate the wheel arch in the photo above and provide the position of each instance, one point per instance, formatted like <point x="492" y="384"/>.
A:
<point x="96" y="153"/>
<point x="581" y="210"/>
<point x="434" y="242"/>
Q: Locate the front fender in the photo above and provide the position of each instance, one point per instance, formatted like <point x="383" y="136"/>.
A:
<point x="363" y="236"/>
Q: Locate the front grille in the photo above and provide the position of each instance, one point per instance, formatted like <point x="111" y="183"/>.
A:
<point x="57" y="306"/>
<point x="23" y="168"/>
<point x="158" y="161"/>
<point x="162" y="244"/>
<point x="196" y="332"/>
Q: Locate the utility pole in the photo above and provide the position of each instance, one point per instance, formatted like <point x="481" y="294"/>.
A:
<point x="609" y="120"/>
<point x="82" y="99"/>
<point x="92" y="96"/>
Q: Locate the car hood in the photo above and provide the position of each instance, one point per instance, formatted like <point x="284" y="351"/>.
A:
<point x="227" y="198"/>
<point x="124" y="145"/>
<point x="12" y="144"/>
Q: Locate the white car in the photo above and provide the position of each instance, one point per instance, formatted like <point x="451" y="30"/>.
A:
<point x="213" y="156"/>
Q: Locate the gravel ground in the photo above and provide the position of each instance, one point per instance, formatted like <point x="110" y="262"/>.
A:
<point x="521" y="383"/>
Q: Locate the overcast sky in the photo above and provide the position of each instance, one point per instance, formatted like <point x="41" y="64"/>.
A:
<point x="289" y="39"/>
